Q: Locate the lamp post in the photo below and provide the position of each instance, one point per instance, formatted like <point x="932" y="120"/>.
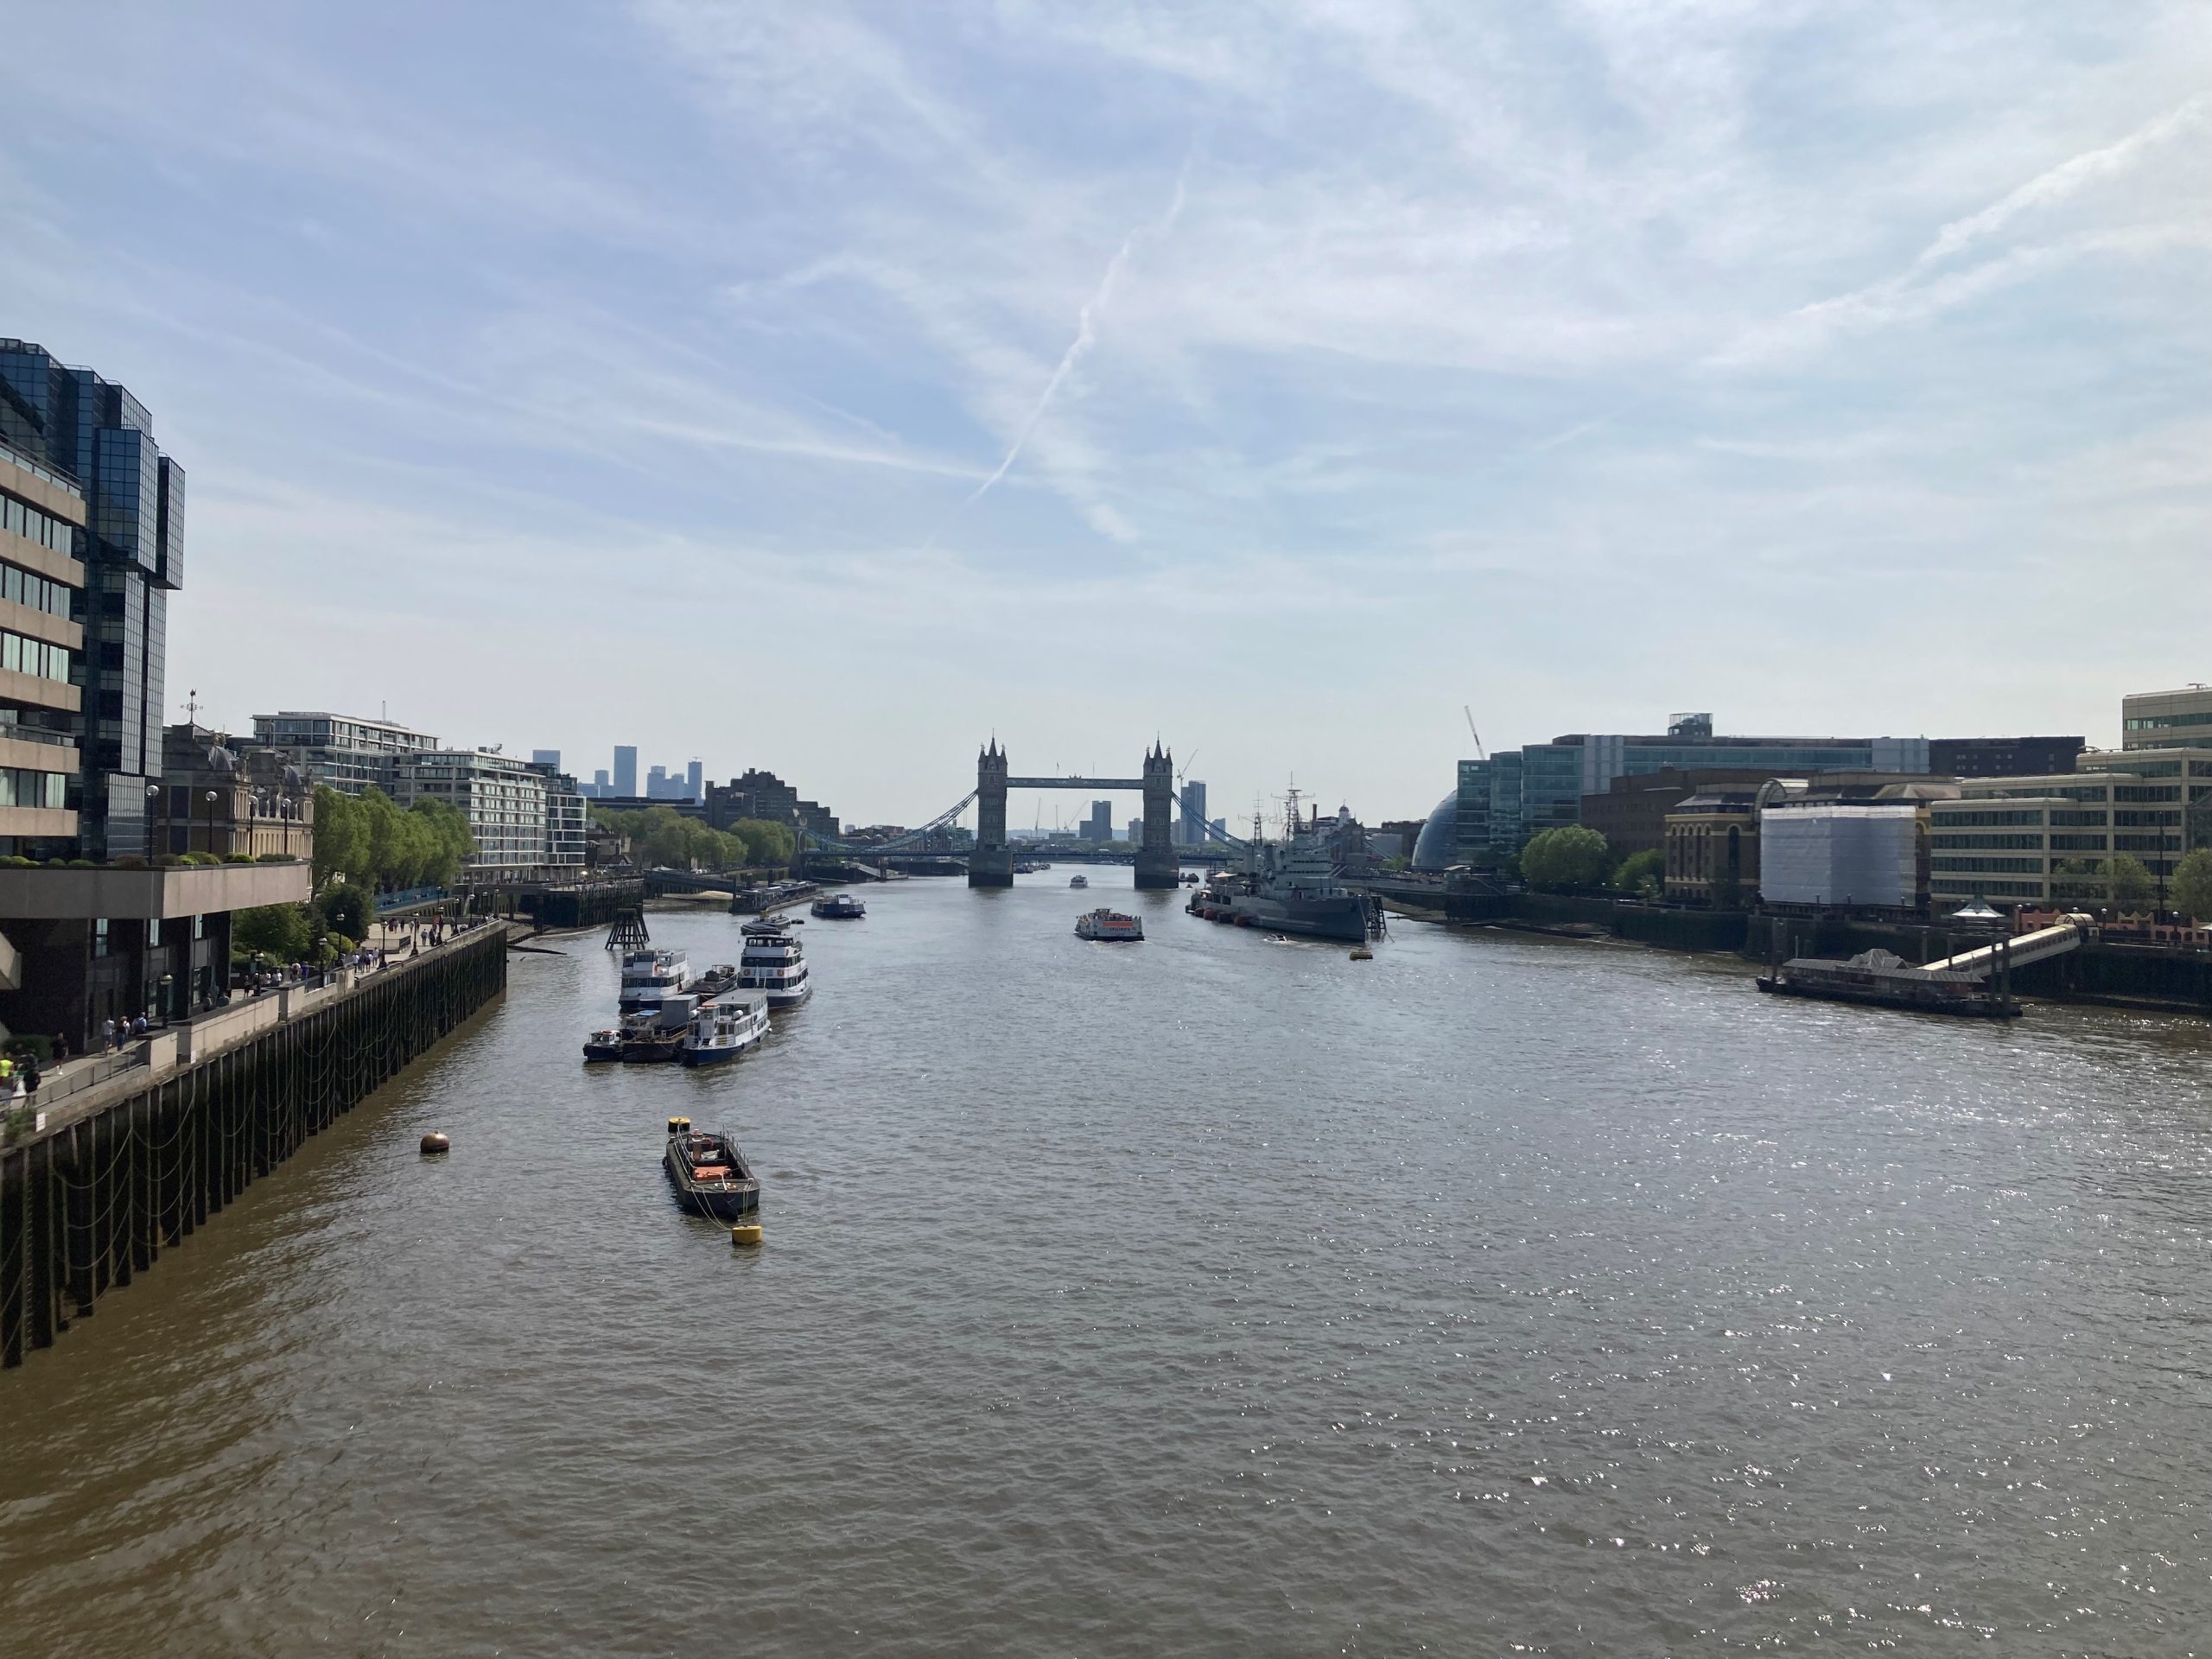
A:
<point x="210" y="798"/>
<point x="167" y="983"/>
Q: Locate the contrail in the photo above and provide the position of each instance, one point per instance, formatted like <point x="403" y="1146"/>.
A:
<point x="1086" y="335"/>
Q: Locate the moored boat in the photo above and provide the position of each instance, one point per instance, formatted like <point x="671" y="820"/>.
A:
<point x="1078" y="880"/>
<point x="1104" y="925"/>
<point x="708" y="1171"/>
<point x="604" y="1045"/>
<point x="772" y="963"/>
<point x="650" y="976"/>
<point x="839" y="907"/>
<point x="720" y="977"/>
<point x="721" y="1032"/>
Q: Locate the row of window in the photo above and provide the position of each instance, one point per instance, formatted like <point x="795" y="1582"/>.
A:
<point x="19" y="786"/>
<point x="43" y="528"/>
<point x="106" y="935"/>
<point x="22" y="656"/>
<point x="2146" y="820"/>
<point x="1989" y="843"/>
<point x="2077" y="843"/>
<point x="29" y="587"/>
<point x="1988" y="889"/>
<point x="1991" y="818"/>
<point x="2146" y="844"/>
<point x="2065" y="815"/>
<point x="2147" y="793"/>
<point x="2159" y="722"/>
<point x="1958" y="866"/>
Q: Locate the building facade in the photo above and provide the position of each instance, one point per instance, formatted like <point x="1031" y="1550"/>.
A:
<point x="625" y="769"/>
<point x="504" y="799"/>
<point x="230" y="802"/>
<point x="132" y="546"/>
<point x="348" y="753"/>
<point x="1190" y="829"/>
<point x="42" y="517"/>
<point x="2002" y="757"/>
<point x="2158" y="720"/>
<point x="2049" y="840"/>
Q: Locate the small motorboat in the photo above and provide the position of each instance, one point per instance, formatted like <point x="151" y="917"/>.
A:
<point x="708" y="1173"/>
<point x="1078" y="880"/>
<point x="1104" y="925"/>
<point x="712" y="984"/>
<point x="839" y="907"/>
<point x="604" y="1045"/>
<point x="721" y="1032"/>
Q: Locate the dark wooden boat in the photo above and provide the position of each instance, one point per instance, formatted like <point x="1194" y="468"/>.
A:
<point x="712" y="984"/>
<point x="708" y="1173"/>
<point x="604" y="1045"/>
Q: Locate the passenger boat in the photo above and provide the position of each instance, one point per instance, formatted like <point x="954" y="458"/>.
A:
<point x="708" y="1173"/>
<point x="1078" y="880"/>
<point x="721" y="1032"/>
<point x="1104" y="925"/>
<point x="649" y="975"/>
<point x="839" y="907"/>
<point x="771" y="961"/>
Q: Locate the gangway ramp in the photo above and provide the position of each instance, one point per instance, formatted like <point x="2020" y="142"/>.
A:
<point x="2052" y="941"/>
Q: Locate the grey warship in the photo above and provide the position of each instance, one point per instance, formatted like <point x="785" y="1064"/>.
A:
<point x="1286" y="887"/>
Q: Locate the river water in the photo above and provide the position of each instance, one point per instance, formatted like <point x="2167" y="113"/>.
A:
<point x="1211" y="1295"/>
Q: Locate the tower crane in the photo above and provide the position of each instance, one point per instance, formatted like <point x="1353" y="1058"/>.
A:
<point x="1471" y="731"/>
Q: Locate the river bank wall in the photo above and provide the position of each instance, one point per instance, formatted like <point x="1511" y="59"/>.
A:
<point x="135" y="1165"/>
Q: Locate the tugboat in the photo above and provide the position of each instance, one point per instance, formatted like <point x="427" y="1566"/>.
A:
<point x="1104" y="925"/>
<point x="774" y="963"/>
<point x="604" y="1045"/>
<point x="721" y="1032"/>
<point x="648" y="976"/>
<point x="1078" y="880"/>
<point x="708" y="1173"/>
<point x="839" y="907"/>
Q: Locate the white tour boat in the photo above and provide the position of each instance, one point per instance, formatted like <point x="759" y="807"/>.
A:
<point x="772" y="963"/>
<point x="1079" y="881"/>
<point x="723" y="1031"/>
<point x="1105" y="924"/>
<point x="649" y="977"/>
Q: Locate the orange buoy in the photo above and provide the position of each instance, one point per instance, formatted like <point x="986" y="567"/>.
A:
<point x="434" y="1143"/>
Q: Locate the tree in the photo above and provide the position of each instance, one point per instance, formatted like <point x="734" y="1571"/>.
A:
<point x="341" y="848"/>
<point x="766" y="842"/>
<point x="346" y="909"/>
<point x="1642" y="873"/>
<point x="1572" y="856"/>
<point x="2191" y="892"/>
<point x="281" y="932"/>
<point x="2132" y="885"/>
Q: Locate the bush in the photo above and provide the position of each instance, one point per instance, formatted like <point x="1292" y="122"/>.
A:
<point x="200" y="859"/>
<point x="83" y="864"/>
<point x="277" y="858"/>
<point x="166" y="860"/>
<point x="1642" y="873"/>
<point x="237" y="858"/>
<point x="17" y="862"/>
<point x="128" y="861"/>
<point x="2132" y="885"/>
<point x="2192" y="888"/>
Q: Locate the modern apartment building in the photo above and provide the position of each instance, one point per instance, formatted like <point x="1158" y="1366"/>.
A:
<point x="1192" y="829"/>
<point x="2155" y="720"/>
<point x="129" y="545"/>
<point x="41" y="517"/>
<point x="347" y="751"/>
<point x="524" y="816"/>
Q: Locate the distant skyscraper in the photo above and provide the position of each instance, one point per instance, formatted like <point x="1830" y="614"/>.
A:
<point x="600" y="785"/>
<point x="1193" y="830"/>
<point x="546" y="757"/>
<point x="1136" y="832"/>
<point x="1100" y="825"/>
<point x="625" y="769"/>
<point x="657" y="783"/>
<point x="694" y="781"/>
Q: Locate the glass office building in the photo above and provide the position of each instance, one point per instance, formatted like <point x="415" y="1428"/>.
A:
<point x="132" y="547"/>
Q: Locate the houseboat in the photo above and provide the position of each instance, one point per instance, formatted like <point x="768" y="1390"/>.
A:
<point x="650" y="976"/>
<point x="772" y="963"/>
<point x="721" y="1032"/>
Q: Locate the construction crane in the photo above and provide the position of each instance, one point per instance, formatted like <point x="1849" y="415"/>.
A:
<point x="1471" y="731"/>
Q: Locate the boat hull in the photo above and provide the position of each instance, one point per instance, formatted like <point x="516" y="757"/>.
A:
<point x="1341" y="916"/>
<point x="724" y="1203"/>
<point x="699" y="1056"/>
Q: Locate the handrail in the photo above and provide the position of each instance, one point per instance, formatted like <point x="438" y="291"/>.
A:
<point x="36" y="469"/>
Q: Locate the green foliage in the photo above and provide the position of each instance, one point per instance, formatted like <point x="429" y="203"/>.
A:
<point x="368" y="841"/>
<point x="16" y="861"/>
<point x="277" y="858"/>
<point x="2192" y="889"/>
<point x="346" y="909"/>
<point x="1642" y="873"/>
<point x="662" y="836"/>
<point x="281" y="932"/>
<point x="2132" y="885"/>
<point x="1572" y="856"/>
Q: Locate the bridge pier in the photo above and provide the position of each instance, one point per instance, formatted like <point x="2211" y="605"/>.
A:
<point x="1157" y="866"/>
<point x="991" y="865"/>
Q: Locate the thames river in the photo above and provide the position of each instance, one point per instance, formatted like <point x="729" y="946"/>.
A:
<point x="1213" y="1295"/>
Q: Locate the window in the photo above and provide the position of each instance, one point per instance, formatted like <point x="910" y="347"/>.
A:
<point x="153" y="932"/>
<point x="100" y="937"/>
<point x="2077" y="843"/>
<point x="1990" y="819"/>
<point x="2062" y="815"/>
<point x="200" y="927"/>
<point x="2015" y="865"/>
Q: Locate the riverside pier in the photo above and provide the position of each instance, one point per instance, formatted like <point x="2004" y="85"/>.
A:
<point x="138" y="1161"/>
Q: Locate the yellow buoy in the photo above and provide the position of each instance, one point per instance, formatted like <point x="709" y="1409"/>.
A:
<point x="434" y="1143"/>
<point x="745" y="1232"/>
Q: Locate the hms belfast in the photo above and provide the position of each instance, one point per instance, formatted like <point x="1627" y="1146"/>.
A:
<point x="1286" y="887"/>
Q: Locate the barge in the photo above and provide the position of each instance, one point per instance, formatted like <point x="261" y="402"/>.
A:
<point x="1885" y="979"/>
<point x="708" y="1173"/>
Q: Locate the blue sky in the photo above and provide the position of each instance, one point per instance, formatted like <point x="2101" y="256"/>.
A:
<point x="822" y="387"/>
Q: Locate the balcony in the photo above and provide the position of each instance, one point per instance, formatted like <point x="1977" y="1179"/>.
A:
<point x="45" y="894"/>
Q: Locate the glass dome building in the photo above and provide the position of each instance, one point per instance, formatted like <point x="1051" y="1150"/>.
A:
<point x="1434" y="846"/>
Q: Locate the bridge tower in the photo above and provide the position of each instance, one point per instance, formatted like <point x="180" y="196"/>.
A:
<point x="991" y="865"/>
<point x="1156" y="865"/>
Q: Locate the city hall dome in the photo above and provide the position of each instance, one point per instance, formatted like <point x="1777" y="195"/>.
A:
<point x="1439" y="837"/>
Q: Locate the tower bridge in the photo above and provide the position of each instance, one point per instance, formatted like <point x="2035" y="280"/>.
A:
<point x="991" y="865"/>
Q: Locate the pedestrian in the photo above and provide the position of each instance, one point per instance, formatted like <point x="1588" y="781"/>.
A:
<point x="107" y="1033"/>
<point x="60" y="1048"/>
<point x="30" y="1076"/>
<point x="138" y="1025"/>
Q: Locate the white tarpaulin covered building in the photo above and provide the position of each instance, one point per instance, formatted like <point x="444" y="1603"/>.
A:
<point x="1841" y="852"/>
